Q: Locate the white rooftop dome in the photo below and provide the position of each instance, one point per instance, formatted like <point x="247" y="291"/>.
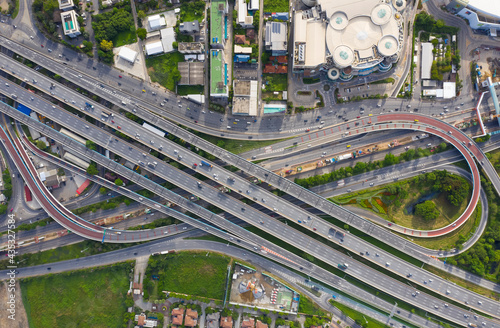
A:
<point x="339" y="21"/>
<point x="388" y="45"/>
<point x="399" y="4"/>
<point x="343" y="56"/>
<point x="333" y="73"/>
<point x="381" y="14"/>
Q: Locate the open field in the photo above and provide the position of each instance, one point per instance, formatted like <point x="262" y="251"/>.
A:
<point x="276" y="5"/>
<point x="189" y="273"/>
<point x="86" y="298"/>
<point x="163" y="69"/>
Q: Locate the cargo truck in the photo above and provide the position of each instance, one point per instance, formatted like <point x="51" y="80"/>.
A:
<point x="206" y="164"/>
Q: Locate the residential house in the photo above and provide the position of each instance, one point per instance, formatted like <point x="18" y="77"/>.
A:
<point x="177" y="316"/>
<point x="212" y="320"/>
<point x="66" y="4"/>
<point x="226" y="322"/>
<point x="190" y="27"/>
<point x="191" y="319"/>
<point x="248" y="323"/>
<point x="260" y="324"/>
<point x="250" y="33"/>
<point x="240" y="39"/>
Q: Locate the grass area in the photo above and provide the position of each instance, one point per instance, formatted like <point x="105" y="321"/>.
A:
<point x="307" y="306"/>
<point x="275" y="82"/>
<point x="360" y="319"/>
<point x="276" y="5"/>
<point x="384" y="81"/>
<point x="392" y="200"/>
<point x="163" y="69"/>
<point x="192" y="273"/>
<point x="14" y="3"/>
<point x="309" y="80"/>
<point x="63" y="253"/>
<point x="192" y="10"/>
<point x="190" y="89"/>
<point x="237" y="146"/>
<point x="450" y="240"/>
<point x="125" y="37"/>
<point x="86" y="298"/>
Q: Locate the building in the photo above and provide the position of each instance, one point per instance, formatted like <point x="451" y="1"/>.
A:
<point x="142" y="321"/>
<point x="352" y="40"/>
<point x="167" y="39"/>
<point x="260" y="324"/>
<point x="191" y="47"/>
<point x="248" y="323"/>
<point x="154" y="48"/>
<point x="243" y="19"/>
<point x="426" y="61"/>
<point x="70" y="24"/>
<point x="218" y="75"/>
<point x="449" y="90"/>
<point x="76" y="160"/>
<point x="280" y="16"/>
<point x="226" y="322"/>
<point x="177" y="316"/>
<point x="276" y="38"/>
<point x="190" y="27"/>
<point x="156" y="22"/>
<point x="191" y="318"/>
<point x="242" y="50"/>
<point x="245" y="97"/>
<point x="212" y="320"/>
<point x="128" y="54"/>
<point x="218" y="23"/>
<point x="239" y="58"/>
<point x="481" y="14"/>
<point x="191" y="73"/>
<point x="253" y="5"/>
<point x="240" y="39"/>
<point x="50" y="177"/>
<point x="65" y="5"/>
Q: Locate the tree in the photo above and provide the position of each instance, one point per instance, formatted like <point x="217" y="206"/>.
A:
<point x="41" y="145"/>
<point x="176" y="75"/>
<point x="92" y="169"/>
<point x="103" y="190"/>
<point x="87" y="46"/>
<point x="119" y="182"/>
<point x="90" y="145"/>
<point x="256" y="20"/>
<point x="106" y="45"/>
<point x="3" y="208"/>
<point x="141" y="33"/>
<point x="141" y="14"/>
<point x="427" y="210"/>
<point x="175" y="45"/>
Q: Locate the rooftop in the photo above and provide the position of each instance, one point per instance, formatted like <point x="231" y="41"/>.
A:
<point x="226" y="322"/>
<point x="248" y="323"/>
<point x="217" y="73"/>
<point x="190" y="47"/>
<point x="486" y="6"/>
<point x="189" y="27"/>
<point x="216" y="19"/>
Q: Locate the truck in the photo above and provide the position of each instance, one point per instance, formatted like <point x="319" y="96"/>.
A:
<point x="345" y="156"/>
<point x="147" y="210"/>
<point x="89" y="105"/>
<point x="343" y="266"/>
<point x="206" y="164"/>
<point x="340" y="183"/>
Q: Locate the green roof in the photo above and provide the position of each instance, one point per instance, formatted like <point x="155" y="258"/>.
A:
<point x="216" y="23"/>
<point x="216" y="72"/>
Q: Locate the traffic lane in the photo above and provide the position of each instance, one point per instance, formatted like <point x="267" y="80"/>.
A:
<point x="301" y="239"/>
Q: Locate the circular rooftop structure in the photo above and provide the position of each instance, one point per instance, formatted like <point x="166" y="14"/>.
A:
<point x="381" y="14"/>
<point x="333" y="73"/>
<point x="343" y="56"/>
<point x="399" y="4"/>
<point x="388" y="45"/>
<point x="310" y="3"/>
<point x="339" y="21"/>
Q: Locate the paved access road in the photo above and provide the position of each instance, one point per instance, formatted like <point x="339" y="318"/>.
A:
<point x="271" y="226"/>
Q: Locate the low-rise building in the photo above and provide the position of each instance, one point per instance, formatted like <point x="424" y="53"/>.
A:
<point x="167" y="39"/>
<point x="191" y="73"/>
<point x="243" y="19"/>
<point x="248" y="323"/>
<point x="212" y="320"/>
<point x="127" y="54"/>
<point x="65" y="5"/>
<point x="218" y="23"/>
<point x="156" y="22"/>
<point x="191" y="318"/>
<point x="154" y="48"/>
<point x="260" y="324"/>
<point x="191" y="48"/>
<point x="245" y="100"/>
<point x="426" y="57"/>
<point x="226" y="322"/>
<point x="142" y="321"/>
<point x="276" y="38"/>
<point x="242" y="50"/>
<point x="218" y="75"/>
<point x="177" y="316"/>
<point x="70" y="24"/>
<point x="190" y="27"/>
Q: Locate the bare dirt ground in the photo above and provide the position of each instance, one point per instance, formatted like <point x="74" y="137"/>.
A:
<point x="4" y="4"/>
<point x="21" y="318"/>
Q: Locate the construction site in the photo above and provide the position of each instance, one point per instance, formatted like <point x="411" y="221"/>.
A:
<point x="256" y="289"/>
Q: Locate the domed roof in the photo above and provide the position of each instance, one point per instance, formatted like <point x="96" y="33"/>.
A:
<point x="339" y="21"/>
<point x="310" y="3"/>
<point x="388" y="45"/>
<point x="333" y="73"/>
<point x="381" y="14"/>
<point x="343" y="56"/>
<point x="399" y="4"/>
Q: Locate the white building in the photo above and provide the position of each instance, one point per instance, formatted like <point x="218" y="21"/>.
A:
<point x="426" y="64"/>
<point x="276" y="38"/>
<point x="245" y="20"/>
<point x="358" y="39"/>
<point x="70" y="24"/>
<point x="128" y="54"/>
<point x="253" y="5"/>
<point x="245" y="97"/>
<point x="66" y="4"/>
<point x="167" y="38"/>
<point x="481" y="14"/>
<point x="156" y="22"/>
<point x="242" y="50"/>
<point x="154" y="48"/>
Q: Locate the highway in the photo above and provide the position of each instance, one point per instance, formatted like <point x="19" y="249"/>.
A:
<point x="100" y="137"/>
<point x="176" y="109"/>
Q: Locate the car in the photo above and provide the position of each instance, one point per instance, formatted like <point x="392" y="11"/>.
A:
<point x="314" y="229"/>
<point x="48" y="268"/>
<point x="11" y="209"/>
<point x="118" y="127"/>
<point x="371" y="184"/>
<point x="194" y="164"/>
<point x="416" y="121"/>
<point x="358" y="116"/>
<point x="120" y="76"/>
<point x="196" y="121"/>
<point x="41" y="45"/>
<point x="390" y="224"/>
<point x="348" y="146"/>
<point x="307" y="130"/>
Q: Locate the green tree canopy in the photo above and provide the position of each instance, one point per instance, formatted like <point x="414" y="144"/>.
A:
<point x="119" y="182"/>
<point x="92" y="169"/>
<point x="141" y="33"/>
<point x="427" y="210"/>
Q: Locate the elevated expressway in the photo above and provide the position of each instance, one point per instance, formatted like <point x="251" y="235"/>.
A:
<point x="101" y="137"/>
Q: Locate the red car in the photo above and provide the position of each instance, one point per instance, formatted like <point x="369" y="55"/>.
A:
<point x="112" y="121"/>
<point x="196" y="121"/>
<point x="120" y="76"/>
<point x="308" y="130"/>
<point x="358" y="116"/>
<point x="41" y="45"/>
<point x="195" y="164"/>
<point x="390" y="224"/>
<point x="118" y="127"/>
